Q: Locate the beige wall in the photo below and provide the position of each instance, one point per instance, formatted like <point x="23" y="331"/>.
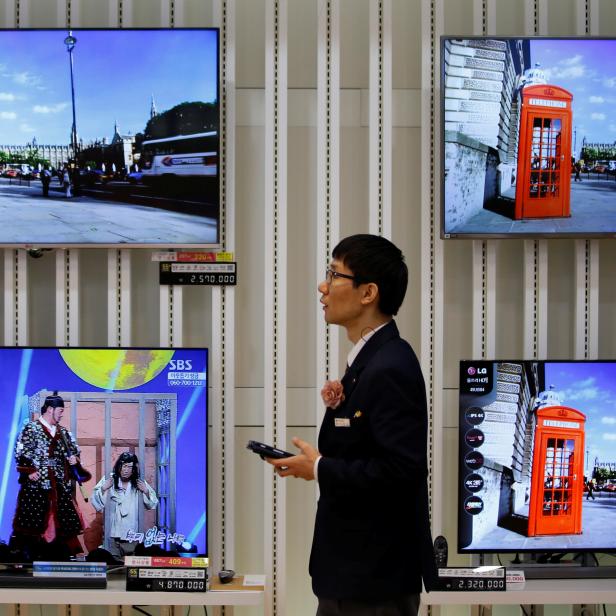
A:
<point x="507" y="288"/>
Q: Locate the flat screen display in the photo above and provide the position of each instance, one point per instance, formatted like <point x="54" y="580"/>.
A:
<point x="109" y="137"/>
<point x="103" y="449"/>
<point x="528" y="138"/>
<point x="537" y="469"/>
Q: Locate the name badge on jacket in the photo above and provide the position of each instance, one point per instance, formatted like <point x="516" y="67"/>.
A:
<point x="342" y="422"/>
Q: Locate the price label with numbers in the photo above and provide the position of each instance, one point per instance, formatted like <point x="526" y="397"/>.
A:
<point x="199" y="274"/>
<point x="473" y="578"/>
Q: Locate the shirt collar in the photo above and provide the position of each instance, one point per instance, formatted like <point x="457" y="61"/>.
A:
<point x="359" y="345"/>
<point x="52" y="429"/>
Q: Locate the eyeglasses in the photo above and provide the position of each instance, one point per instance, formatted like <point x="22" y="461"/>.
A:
<point x="330" y="274"/>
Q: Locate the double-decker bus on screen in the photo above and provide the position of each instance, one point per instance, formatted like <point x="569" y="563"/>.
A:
<point x="180" y="157"/>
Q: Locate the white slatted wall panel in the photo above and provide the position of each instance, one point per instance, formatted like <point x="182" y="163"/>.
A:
<point x="23" y="13"/>
<point x="119" y="297"/>
<point x="15" y="297"/>
<point x="166" y="10"/>
<point x="328" y="184"/>
<point x="222" y="358"/>
<point x="125" y="13"/>
<point x="67" y="297"/>
<point x="114" y="13"/>
<point x="432" y="279"/>
<point x="72" y="14"/>
<point x="275" y="278"/>
<point x="380" y="119"/>
<point x="62" y="12"/>
<point x="179" y="13"/>
<point x="9" y="13"/>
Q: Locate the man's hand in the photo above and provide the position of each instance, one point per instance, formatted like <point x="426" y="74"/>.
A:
<point x="72" y="460"/>
<point x="301" y="465"/>
<point x="108" y="483"/>
<point x="141" y="485"/>
<point x="35" y="476"/>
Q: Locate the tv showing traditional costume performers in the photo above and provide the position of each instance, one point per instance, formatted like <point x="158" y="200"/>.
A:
<point x="106" y="453"/>
<point x="47" y="457"/>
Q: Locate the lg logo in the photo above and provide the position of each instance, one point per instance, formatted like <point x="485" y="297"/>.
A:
<point x="473" y="371"/>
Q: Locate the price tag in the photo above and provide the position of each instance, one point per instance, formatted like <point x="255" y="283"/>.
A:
<point x="198" y="274"/>
<point x="176" y="579"/>
<point x="192" y="256"/>
<point x="473" y="578"/>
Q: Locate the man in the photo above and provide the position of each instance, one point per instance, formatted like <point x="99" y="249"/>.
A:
<point x="372" y="542"/>
<point x="123" y="491"/>
<point x="45" y="181"/>
<point x="65" y="179"/>
<point x="47" y="454"/>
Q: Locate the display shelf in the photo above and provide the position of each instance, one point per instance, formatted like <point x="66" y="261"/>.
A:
<point x="535" y="592"/>
<point x="115" y="594"/>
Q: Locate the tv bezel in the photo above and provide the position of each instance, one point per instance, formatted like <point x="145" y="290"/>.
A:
<point x="460" y="494"/>
<point x="204" y="349"/>
<point x="509" y="236"/>
<point x="134" y="245"/>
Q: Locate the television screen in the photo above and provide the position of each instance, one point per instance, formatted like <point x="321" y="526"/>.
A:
<point x="109" y="137"/>
<point x="103" y="449"/>
<point x="537" y="470"/>
<point x="528" y="138"/>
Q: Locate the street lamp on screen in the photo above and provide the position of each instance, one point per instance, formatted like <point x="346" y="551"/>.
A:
<point x="70" y="42"/>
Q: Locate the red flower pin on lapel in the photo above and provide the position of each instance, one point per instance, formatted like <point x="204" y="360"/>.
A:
<point x="332" y="394"/>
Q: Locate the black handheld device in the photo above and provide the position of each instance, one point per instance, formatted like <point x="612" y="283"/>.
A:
<point x="267" y="451"/>
<point x="440" y="551"/>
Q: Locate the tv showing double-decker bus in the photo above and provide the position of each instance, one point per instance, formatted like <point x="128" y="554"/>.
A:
<point x="109" y="137"/>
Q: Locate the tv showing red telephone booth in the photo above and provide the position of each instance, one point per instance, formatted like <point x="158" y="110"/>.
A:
<point x="528" y="137"/>
<point x="537" y="469"/>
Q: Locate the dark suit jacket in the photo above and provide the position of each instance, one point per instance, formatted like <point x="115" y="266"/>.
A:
<point x="372" y="531"/>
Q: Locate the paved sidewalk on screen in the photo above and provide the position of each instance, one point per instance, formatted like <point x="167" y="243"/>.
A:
<point x="27" y="217"/>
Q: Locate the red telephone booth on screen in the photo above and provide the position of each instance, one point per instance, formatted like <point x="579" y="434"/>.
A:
<point x="544" y="153"/>
<point x="558" y="472"/>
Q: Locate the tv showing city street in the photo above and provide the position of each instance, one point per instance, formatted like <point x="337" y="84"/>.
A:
<point x="528" y="137"/>
<point x="109" y="137"/>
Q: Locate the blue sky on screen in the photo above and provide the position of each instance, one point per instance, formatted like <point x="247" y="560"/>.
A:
<point x="116" y="73"/>
<point x="591" y="389"/>
<point x="585" y="67"/>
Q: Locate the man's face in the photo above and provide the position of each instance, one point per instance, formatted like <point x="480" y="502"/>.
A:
<point x="340" y="298"/>
<point x="126" y="470"/>
<point x="53" y="415"/>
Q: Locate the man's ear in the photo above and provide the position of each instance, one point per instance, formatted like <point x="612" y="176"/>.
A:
<point x="370" y="293"/>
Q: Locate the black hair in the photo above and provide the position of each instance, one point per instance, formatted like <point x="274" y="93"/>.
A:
<point x="54" y="401"/>
<point x="372" y="258"/>
<point x="125" y="458"/>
